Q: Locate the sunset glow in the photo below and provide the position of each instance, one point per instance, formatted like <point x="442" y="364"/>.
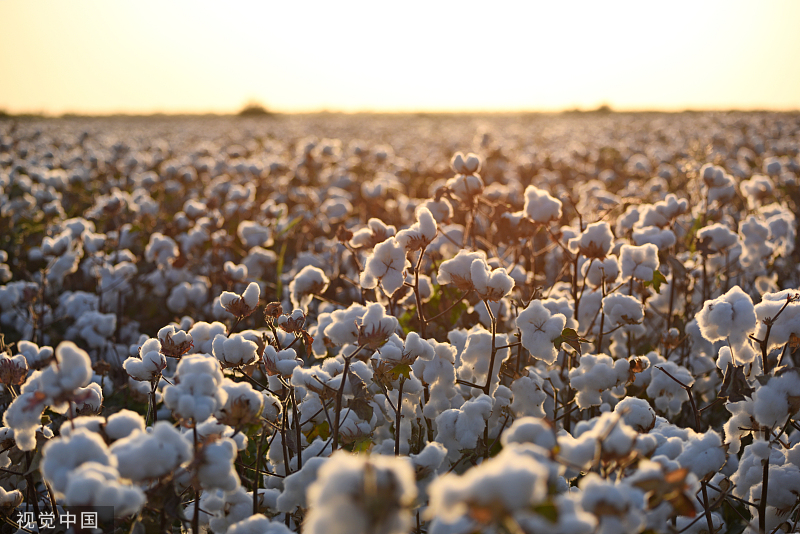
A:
<point x="94" y="56"/>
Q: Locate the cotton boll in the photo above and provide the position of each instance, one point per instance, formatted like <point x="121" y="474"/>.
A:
<point x="718" y="237"/>
<point x="731" y="315"/>
<point x="161" y="249"/>
<point x="540" y="206"/>
<point x="96" y="484"/>
<point x="243" y="404"/>
<point x="24" y="415"/>
<point x="639" y="261"/>
<point x="60" y="457"/>
<point x="623" y="310"/>
<point x="529" y="396"/>
<point x="595" y="374"/>
<point x="149" y="365"/>
<point x="202" y="335"/>
<point x="376" y="327"/>
<point x="296" y="484"/>
<point x="594" y="242"/>
<point x="637" y="413"/>
<point x="356" y="494"/>
<point x="306" y="283"/>
<point x="151" y="455"/>
<point x="122" y="424"/>
<point x="196" y="394"/>
<point x="235" y="506"/>
<point x="662" y="238"/>
<point x="534" y="430"/>
<point x="253" y="234"/>
<point x="786" y="324"/>
<point x="668" y="395"/>
<point x="258" y="524"/>
<point x="596" y="271"/>
<point x="375" y="232"/>
<point x="385" y="266"/>
<point x="778" y="399"/>
<point x="703" y="454"/>
<point x="215" y="469"/>
<point x="618" y="507"/>
<point x="234" y="351"/>
<point x="420" y="234"/>
<point x="539" y="329"/>
<point x="502" y="485"/>
<point x="235" y="272"/>
<point x="457" y="271"/>
<point x="490" y="285"/>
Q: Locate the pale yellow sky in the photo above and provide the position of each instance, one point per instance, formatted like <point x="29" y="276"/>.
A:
<point x="102" y="56"/>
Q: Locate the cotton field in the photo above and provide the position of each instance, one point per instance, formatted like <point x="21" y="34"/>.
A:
<point x="568" y="324"/>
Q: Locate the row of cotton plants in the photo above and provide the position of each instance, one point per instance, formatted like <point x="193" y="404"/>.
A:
<point x="585" y="325"/>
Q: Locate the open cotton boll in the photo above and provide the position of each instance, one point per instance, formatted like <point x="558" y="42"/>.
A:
<point x="243" y="404"/>
<point x="622" y="310"/>
<point x="717" y="237"/>
<point x="385" y="266"/>
<point x="13" y="369"/>
<point x="258" y="524"/>
<point x="420" y="234"/>
<point x="595" y="374"/>
<point x="491" y="286"/>
<point x="24" y="415"/>
<point x="354" y="494"/>
<point x="458" y="270"/>
<point x="235" y="272"/>
<point x="149" y="365"/>
<point x="529" y="396"/>
<point x="539" y="329"/>
<point x="787" y="323"/>
<point x="253" y="234"/>
<point x="37" y="357"/>
<point x="668" y="395"/>
<point x="60" y="456"/>
<point x="594" y="242"/>
<point x="540" y="206"/>
<point x="376" y="327"/>
<point x="122" y="424"/>
<point x="296" y="484"/>
<point x="703" y="454"/>
<point x="639" y="261"/>
<point x="151" y="455"/>
<point x="196" y="394"/>
<point x="508" y="483"/>
<point x="618" y="506"/>
<point x="637" y="413"/>
<point x="662" y="238"/>
<point x="375" y="232"/>
<point x="161" y="250"/>
<point x="202" y="335"/>
<point x="534" y="430"/>
<point x="234" y="351"/>
<point x="306" y="283"/>
<point x="96" y="484"/>
<point x="174" y="343"/>
<point x="596" y="271"/>
<point x="280" y="362"/>
<point x="778" y="399"/>
<point x="731" y="315"/>
<point x="459" y="428"/>
<point x="215" y="469"/>
<point x="96" y="328"/>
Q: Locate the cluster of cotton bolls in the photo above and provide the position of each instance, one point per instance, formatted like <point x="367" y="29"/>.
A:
<point x="590" y="325"/>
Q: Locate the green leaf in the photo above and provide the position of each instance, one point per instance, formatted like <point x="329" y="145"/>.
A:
<point x="362" y="444"/>
<point x="291" y="225"/>
<point x="322" y="430"/>
<point x="402" y="369"/>
<point x="571" y="338"/>
<point x="657" y="280"/>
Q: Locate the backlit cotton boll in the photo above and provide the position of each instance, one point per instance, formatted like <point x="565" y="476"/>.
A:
<point x="385" y="266"/>
<point x="539" y="330"/>
<point x="150" y="455"/>
<point x="356" y="494"/>
<point x="540" y="206"/>
<point x="308" y="282"/>
<point x="639" y="261"/>
<point x="149" y="365"/>
<point x="241" y="305"/>
<point x="196" y="393"/>
<point x="420" y="234"/>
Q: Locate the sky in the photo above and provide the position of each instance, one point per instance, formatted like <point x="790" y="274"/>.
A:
<point x="188" y="56"/>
